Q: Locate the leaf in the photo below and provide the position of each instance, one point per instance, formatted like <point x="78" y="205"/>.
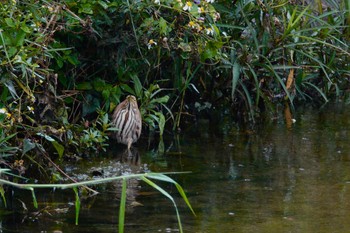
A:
<point x="126" y="88"/>
<point x="25" y="28"/>
<point x="2" y="140"/>
<point x="211" y="50"/>
<point x="10" y="22"/>
<point x="99" y="84"/>
<point x="73" y="59"/>
<point x="165" y="178"/>
<point x="235" y="77"/>
<point x="103" y="4"/>
<point x="27" y="145"/>
<point x="185" y="47"/>
<point x="163" y="26"/>
<point x="165" y="193"/>
<point x="137" y="85"/>
<point x="161" y="147"/>
<point x="317" y="89"/>
<point x="47" y="137"/>
<point x="106" y="94"/>
<point x="84" y="86"/>
<point x="19" y="38"/>
<point x="2" y="192"/>
<point x="194" y="11"/>
<point x="59" y="148"/>
<point x="11" y="51"/>
<point x="290" y="79"/>
<point x="11" y="88"/>
<point x="35" y="202"/>
<point x="161" y="122"/>
<point x="90" y="105"/>
<point x="160" y="100"/>
<point x="86" y="8"/>
<point x="77" y="205"/>
<point x="122" y="207"/>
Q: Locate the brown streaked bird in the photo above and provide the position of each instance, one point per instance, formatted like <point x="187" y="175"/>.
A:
<point x="127" y="118"/>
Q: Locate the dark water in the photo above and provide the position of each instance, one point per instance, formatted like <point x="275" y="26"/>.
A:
<point x="268" y="178"/>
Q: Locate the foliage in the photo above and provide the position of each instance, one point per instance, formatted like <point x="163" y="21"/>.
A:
<point x="66" y="65"/>
<point x="283" y="51"/>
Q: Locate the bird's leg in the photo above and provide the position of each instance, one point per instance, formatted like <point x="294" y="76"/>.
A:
<point x="129" y="144"/>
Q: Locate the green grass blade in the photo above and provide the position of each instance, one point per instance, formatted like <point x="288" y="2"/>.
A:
<point x="318" y="90"/>
<point x="269" y="66"/>
<point x="236" y="70"/>
<point x="249" y="100"/>
<point x="35" y="202"/>
<point x="2" y="192"/>
<point x="165" y="193"/>
<point x="122" y="208"/>
<point x="326" y="44"/>
<point x="77" y="205"/>
<point x="165" y="178"/>
<point x="320" y="63"/>
<point x="7" y="138"/>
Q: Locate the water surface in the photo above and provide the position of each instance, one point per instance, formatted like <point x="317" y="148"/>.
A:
<point x="266" y="178"/>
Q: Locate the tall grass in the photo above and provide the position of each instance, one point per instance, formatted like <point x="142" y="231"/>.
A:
<point x="284" y="52"/>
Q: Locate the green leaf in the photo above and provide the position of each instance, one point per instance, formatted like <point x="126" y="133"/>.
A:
<point x="318" y="90"/>
<point x="163" y="26"/>
<point x="235" y="77"/>
<point x="12" y="51"/>
<point x="2" y="140"/>
<point x="86" y="8"/>
<point x="126" y="88"/>
<point x="211" y="50"/>
<point x="161" y="122"/>
<point x="185" y="47"/>
<point x="25" y="28"/>
<point x="27" y="146"/>
<point x="165" y="178"/>
<point x="165" y="193"/>
<point x="2" y="192"/>
<point x="122" y="207"/>
<point x="73" y="59"/>
<point x="106" y="94"/>
<point x="60" y="63"/>
<point x="99" y="84"/>
<point x="11" y="88"/>
<point x="20" y="38"/>
<point x="160" y="100"/>
<point x="47" y="137"/>
<point x="137" y="85"/>
<point x="103" y="4"/>
<point x="84" y="86"/>
<point x="77" y="205"/>
<point x="35" y="202"/>
<point x="194" y="11"/>
<point x="10" y="22"/>
<point x="90" y="105"/>
<point x="59" y="148"/>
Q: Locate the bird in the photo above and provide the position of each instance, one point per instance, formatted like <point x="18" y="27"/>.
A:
<point x="127" y="119"/>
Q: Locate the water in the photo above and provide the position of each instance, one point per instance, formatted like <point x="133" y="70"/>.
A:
<point x="270" y="178"/>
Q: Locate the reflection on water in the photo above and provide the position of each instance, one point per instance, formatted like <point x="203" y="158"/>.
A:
<point x="270" y="178"/>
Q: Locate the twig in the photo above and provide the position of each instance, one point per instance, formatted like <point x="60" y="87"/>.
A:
<point x="65" y="174"/>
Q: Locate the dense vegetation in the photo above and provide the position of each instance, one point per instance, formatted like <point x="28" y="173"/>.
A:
<point x="65" y="65"/>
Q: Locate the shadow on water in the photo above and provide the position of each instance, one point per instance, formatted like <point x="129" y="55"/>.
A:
<point x="275" y="177"/>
